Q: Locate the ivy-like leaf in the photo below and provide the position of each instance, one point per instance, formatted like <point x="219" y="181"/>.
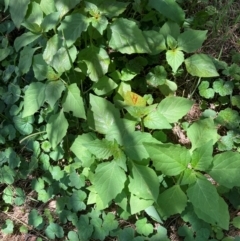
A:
<point x="7" y="228"/>
<point x="157" y="76"/>
<point x="76" y="201"/>
<point x="34" y="218"/>
<point x="222" y="87"/>
<point x="106" y="183"/>
<point x="6" y="175"/>
<point x="73" y="101"/>
<point x="169" y="159"/>
<point x="97" y="61"/>
<point x="229" y="118"/>
<point x="205" y="91"/>
<point x="34" y="98"/>
<point x="54" y="231"/>
<point x="56" y="128"/>
<point x="143" y="227"/>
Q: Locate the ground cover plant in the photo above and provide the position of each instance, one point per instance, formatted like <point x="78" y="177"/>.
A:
<point x="115" y="122"/>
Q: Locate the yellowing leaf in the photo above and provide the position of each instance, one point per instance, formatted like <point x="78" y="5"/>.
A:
<point x="131" y="98"/>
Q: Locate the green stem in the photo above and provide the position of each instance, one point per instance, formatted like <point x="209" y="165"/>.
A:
<point x="34" y="134"/>
<point x="199" y="80"/>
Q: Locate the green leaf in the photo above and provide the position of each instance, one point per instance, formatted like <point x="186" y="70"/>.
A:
<point x="8" y="195"/>
<point x="170" y="28"/>
<point x="18" y="10"/>
<point x="137" y="204"/>
<point x="24" y="125"/>
<point x="36" y="14"/>
<point x="140" y="111"/>
<point x="64" y="6"/>
<point x="236" y="222"/>
<point x="174" y="108"/>
<point x="127" y="38"/>
<point x="155" y="41"/>
<point x="56" y="128"/>
<point x="82" y="153"/>
<point x="144" y="182"/>
<point x="191" y="40"/>
<point x="143" y="227"/>
<point x="157" y="76"/>
<point x="42" y="70"/>
<point x="73" y="102"/>
<point x="104" y="86"/>
<point x="222" y="87"/>
<point x="97" y="61"/>
<point x="85" y="229"/>
<point x="205" y="91"/>
<point x="76" y="201"/>
<point x="34" y="219"/>
<point x="102" y="123"/>
<point x="201" y="65"/>
<point x="4" y="53"/>
<point x="175" y="58"/>
<point x="7" y="228"/>
<point x="54" y="231"/>
<point x="19" y="197"/>
<point x="202" y="156"/>
<point x="106" y="183"/>
<point x="6" y="175"/>
<point x="53" y="92"/>
<point x="50" y="21"/>
<point x="102" y="149"/>
<point x="169" y="9"/>
<point x="25" y="60"/>
<point x="56" y="173"/>
<point x="171" y="201"/>
<point x="229" y="118"/>
<point x="225" y="169"/>
<point x="25" y="39"/>
<point x="169" y="159"/>
<point x="207" y="203"/>
<point x="201" y="132"/>
<point x="72" y="26"/>
<point x="109" y="222"/>
<point x="235" y="100"/>
<point x="34" y="98"/>
<point x="76" y="180"/>
<point x="133" y="145"/>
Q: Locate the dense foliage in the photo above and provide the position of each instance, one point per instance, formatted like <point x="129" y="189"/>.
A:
<point x="90" y="101"/>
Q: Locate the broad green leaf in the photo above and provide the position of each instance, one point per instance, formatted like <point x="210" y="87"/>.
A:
<point x="109" y="222"/>
<point x="82" y="153"/>
<point x="174" y="108"/>
<point x="6" y="175"/>
<point x="36" y="14"/>
<point x="140" y="111"/>
<point x="169" y="9"/>
<point x="143" y="227"/>
<point x="201" y="132"/>
<point x="24" y="125"/>
<point x="155" y="41"/>
<point x="48" y="6"/>
<point x="110" y="8"/>
<point x="34" y="98"/>
<point x="188" y="177"/>
<point x="56" y="173"/>
<point x="97" y="61"/>
<point x="104" y="86"/>
<point x="202" y="156"/>
<point x="156" y="120"/>
<point x="137" y="204"/>
<point x="152" y="212"/>
<point x="106" y="183"/>
<point x="235" y="101"/>
<point x="34" y="218"/>
<point x="72" y="26"/>
<point x="100" y="122"/>
<point x="236" y="222"/>
<point x="157" y="76"/>
<point x="207" y="204"/>
<point x="42" y="70"/>
<point x="50" y="21"/>
<point x="8" y="195"/>
<point x="4" y="53"/>
<point x="76" y="180"/>
<point x="25" y="39"/>
<point x="225" y="169"/>
<point x="170" y="28"/>
<point x="201" y="65"/>
<point x="85" y="229"/>
<point x="169" y="159"/>
<point x="133" y="145"/>
<point x="172" y="201"/>
<point x="175" y="58"/>
<point x="102" y="149"/>
<point x="54" y="231"/>
<point x="18" y="10"/>
<point x="127" y="38"/>
<point x="222" y="87"/>
<point x="25" y="60"/>
<point x="144" y="182"/>
<point x="19" y="197"/>
<point x="191" y="40"/>
<point x="73" y="236"/>
<point x="76" y="201"/>
<point x="53" y="92"/>
<point x="56" y="128"/>
<point x="64" y="6"/>
<point x="7" y="228"/>
<point x="73" y="102"/>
